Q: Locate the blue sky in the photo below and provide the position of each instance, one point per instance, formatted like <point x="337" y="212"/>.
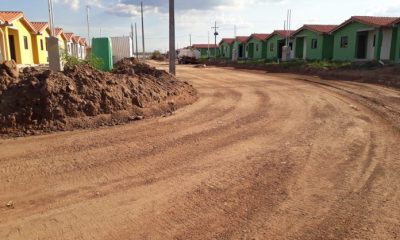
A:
<point x="113" y="17"/>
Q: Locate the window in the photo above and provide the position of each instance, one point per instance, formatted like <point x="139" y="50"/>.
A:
<point x="26" y="42"/>
<point x="271" y="47"/>
<point x="344" y="42"/>
<point x="314" y="43"/>
<point x="373" y="44"/>
<point x="41" y="44"/>
<point x="257" y="47"/>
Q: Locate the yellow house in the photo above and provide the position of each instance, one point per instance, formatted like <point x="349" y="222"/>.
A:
<point x="62" y="39"/>
<point x="16" y="37"/>
<point x="39" y="45"/>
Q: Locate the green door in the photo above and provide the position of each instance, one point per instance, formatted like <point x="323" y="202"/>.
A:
<point x="251" y="50"/>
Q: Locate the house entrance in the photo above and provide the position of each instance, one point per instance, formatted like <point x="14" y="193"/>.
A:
<point x="13" y="54"/>
<point x="362" y="40"/>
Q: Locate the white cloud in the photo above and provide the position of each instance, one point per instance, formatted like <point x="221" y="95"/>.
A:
<point x="73" y="4"/>
<point x="129" y="7"/>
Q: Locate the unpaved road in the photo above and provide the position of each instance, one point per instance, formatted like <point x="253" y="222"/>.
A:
<point x="259" y="156"/>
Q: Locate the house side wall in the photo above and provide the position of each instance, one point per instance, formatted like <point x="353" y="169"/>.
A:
<point x="311" y="53"/>
<point x="42" y="55"/>
<point x="397" y="45"/>
<point x="226" y="50"/>
<point x="371" y="48"/>
<point x="264" y="50"/>
<point x="204" y="52"/>
<point x="35" y="48"/>
<point x="327" y="52"/>
<point x="236" y="45"/>
<point x="62" y="43"/>
<point x="257" y="50"/>
<point x="25" y="55"/>
<point x="273" y="54"/>
<point x="386" y="43"/>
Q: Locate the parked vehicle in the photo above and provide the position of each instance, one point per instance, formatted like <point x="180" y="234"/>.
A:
<point x="188" y="56"/>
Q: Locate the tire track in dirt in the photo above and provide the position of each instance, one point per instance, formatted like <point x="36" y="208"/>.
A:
<point x="257" y="157"/>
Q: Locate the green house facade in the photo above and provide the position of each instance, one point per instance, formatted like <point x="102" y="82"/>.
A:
<point x="276" y="41"/>
<point x="240" y="48"/>
<point x="207" y="50"/>
<point x="396" y="42"/>
<point x="226" y="48"/>
<point x="363" y="38"/>
<point x="257" y="46"/>
<point x="314" y="42"/>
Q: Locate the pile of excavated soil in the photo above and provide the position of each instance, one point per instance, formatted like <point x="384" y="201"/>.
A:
<point x="82" y="97"/>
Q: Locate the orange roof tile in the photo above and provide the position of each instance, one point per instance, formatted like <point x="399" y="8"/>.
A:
<point x="282" y="33"/>
<point x="69" y="36"/>
<point x="40" y="26"/>
<point x="370" y="21"/>
<point x="242" y="39"/>
<point x="83" y="42"/>
<point x="76" y="39"/>
<point x="227" y="40"/>
<point x="375" y="21"/>
<point x="322" y="29"/>
<point x="203" y="46"/>
<point x="10" y="16"/>
<point x="58" y="31"/>
<point x="259" y="36"/>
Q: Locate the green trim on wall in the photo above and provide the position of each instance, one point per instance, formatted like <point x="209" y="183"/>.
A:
<point x="393" y="46"/>
<point x="378" y="46"/>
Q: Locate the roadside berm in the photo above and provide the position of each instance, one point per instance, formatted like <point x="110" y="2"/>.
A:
<point x="36" y="101"/>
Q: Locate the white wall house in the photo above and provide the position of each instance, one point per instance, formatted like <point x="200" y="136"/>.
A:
<point x="70" y="43"/>
<point x="121" y="48"/>
<point x="76" y="46"/>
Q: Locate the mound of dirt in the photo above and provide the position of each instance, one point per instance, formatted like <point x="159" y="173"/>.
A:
<point x="81" y="96"/>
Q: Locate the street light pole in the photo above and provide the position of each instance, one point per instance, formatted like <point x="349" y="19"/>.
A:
<point x="144" y="50"/>
<point x="172" y="53"/>
<point x="88" y="24"/>
<point x="51" y="18"/>
<point x="215" y="38"/>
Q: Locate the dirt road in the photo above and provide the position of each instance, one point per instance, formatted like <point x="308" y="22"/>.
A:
<point x="257" y="157"/>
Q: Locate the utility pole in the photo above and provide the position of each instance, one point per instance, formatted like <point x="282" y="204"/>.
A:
<point x="137" y="47"/>
<point x="172" y="52"/>
<point x="51" y="17"/>
<point x="144" y="50"/>
<point x="190" y="40"/>
<point x="215" y="37"/>
<point x="88" y="24"/>
<point x="133" y="40"/>
<point x="55" y="63"/>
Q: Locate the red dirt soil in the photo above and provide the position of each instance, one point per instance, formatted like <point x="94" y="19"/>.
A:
<point x="81" y="96"/>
